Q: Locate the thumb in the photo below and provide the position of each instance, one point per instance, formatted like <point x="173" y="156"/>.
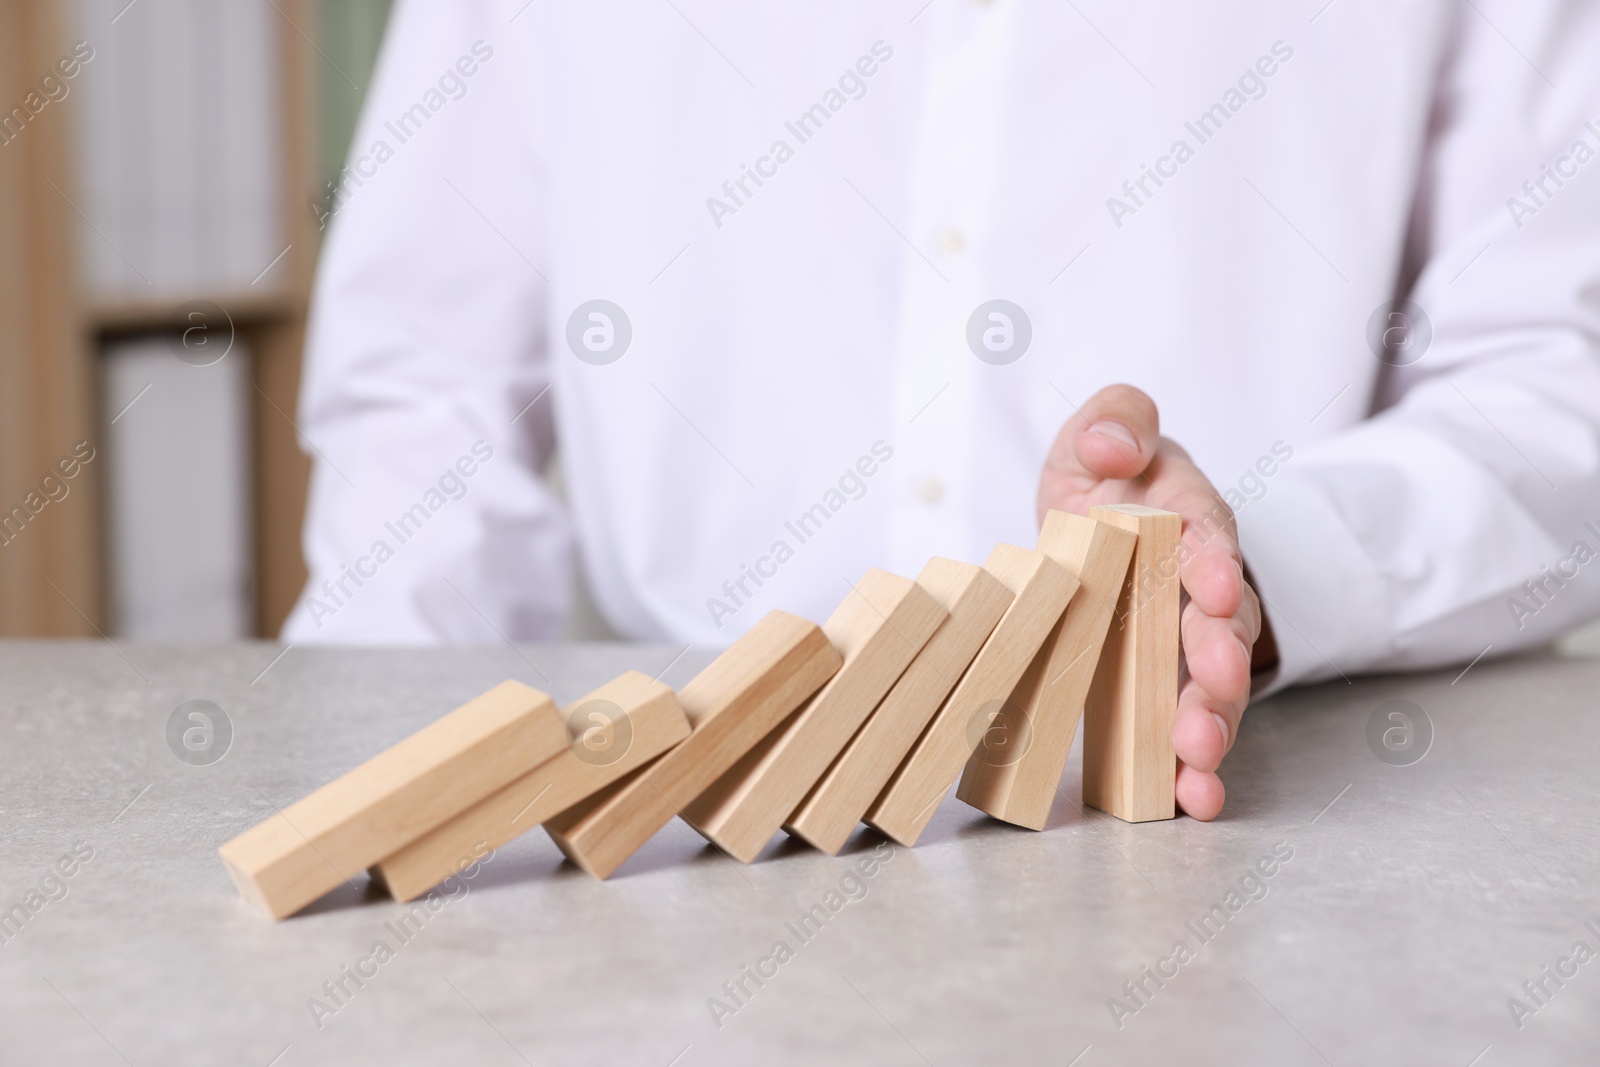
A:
<point x="1113" y="436"/>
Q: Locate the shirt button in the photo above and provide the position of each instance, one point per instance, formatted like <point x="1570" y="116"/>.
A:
<point x="951" y="242"/>
<point x="931" y="490"/>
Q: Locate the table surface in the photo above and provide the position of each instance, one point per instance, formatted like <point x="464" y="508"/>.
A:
<point x="1413" y="903"/>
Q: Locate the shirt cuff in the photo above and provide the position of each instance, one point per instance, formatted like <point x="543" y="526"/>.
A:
<point x="1319" y="589"/>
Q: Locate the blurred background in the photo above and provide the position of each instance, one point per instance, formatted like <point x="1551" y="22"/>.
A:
<point x="161" y="212"/>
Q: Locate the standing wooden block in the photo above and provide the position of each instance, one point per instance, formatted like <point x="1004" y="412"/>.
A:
<point x="619" y="727"/>
<point x="308" y="848"/>
<point x="732" y="705"/>
<point x="975" y="600"/>
<point x="1020" y="787"/>
<point x="1129" y="768"/>
<point x="880" y="627"/>
<point x="1041" y="588"/>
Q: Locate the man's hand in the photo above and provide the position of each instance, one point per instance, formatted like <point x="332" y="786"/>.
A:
<point x="1112" y="452"/>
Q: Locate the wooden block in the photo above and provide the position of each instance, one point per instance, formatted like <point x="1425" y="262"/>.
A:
<point x="1020" y="786"/>
<point x="975" y="600"/>
<point x="880" y="627"/>
<point x="731" y="705"/>
<point x="1041" y="588"/>
<point x="619" y="727"/>
<point x="308" y="848"/>
<point x="1129" y="768"/>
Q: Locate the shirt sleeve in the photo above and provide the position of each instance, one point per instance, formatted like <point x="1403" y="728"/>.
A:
<point x="424" y="405"/>
<point x="1463" y="518"/>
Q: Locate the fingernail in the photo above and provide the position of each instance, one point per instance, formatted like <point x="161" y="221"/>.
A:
<point x="1222" y="725"/>
<point x="1117" y="433"/>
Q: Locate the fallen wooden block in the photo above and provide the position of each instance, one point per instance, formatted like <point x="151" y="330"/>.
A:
<point x="289" y="860"/>
<point x="1042" y="588"/>
<point x="1051" y="693"/>
<point x="1129" y="768"/>
<point x="732" y="705"/>
<point x="975" y="600"/>
<point x="619" y="727"/>
<point x="880" y="627"/>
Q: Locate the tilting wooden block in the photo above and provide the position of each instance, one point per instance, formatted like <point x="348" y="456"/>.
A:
<point x="975" y="600"/>
<point x="308" y="848"/>
<point x="1050" y="695"/>
<point x="1042" y="588"/>
<point x="1129" y="768"/>
<point x="619" y="727"/>
<point x="732" y="705"/>
<point x="880" y="627"/>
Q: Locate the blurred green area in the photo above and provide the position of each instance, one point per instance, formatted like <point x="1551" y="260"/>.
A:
<point x="350" y="33"/>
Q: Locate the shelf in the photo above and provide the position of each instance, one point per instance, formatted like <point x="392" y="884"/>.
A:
<point x="244" y="309"/>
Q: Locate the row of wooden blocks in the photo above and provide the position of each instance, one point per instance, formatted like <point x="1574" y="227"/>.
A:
<point x="870" y="717"/>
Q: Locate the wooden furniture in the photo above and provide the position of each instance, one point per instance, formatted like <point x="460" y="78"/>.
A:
<point x="52" y="579"/>
<point x="50" y="570"/>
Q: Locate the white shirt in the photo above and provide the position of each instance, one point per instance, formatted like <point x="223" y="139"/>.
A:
<point x="800" y="343"/>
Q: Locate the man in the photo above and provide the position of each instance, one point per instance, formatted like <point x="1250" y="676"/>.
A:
<point x="795" y="292"/>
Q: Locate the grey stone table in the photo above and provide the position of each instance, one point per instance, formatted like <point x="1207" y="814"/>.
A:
<point x="1401" y="909"/>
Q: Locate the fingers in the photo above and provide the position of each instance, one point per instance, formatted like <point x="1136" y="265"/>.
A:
<point x="1217" y="654"/>
<point x="1212" y="568"/>
<point x="1205" y="728"/>
<point x="1200" y="793"/>
<point x="1112" y="451"/>
<point x="1217" y="649"/>
<point x="1212" y="702"/>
